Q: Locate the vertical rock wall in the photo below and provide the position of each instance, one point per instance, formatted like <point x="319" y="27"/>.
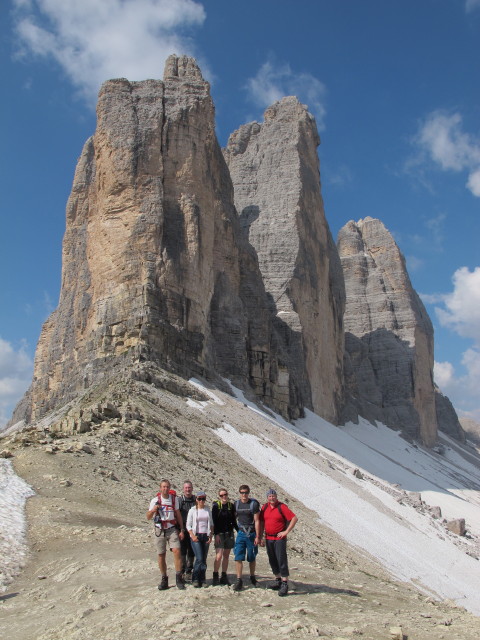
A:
<point x="154" y="263"/>
<point x="159" y="265"/>
<point x="275" y="173"/>
<point x="388" y="334"/>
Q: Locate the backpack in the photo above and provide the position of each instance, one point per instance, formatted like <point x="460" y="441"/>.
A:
<point x="182" y="502"/>
<point x="220" y="505"/>
<point x="278" y="506"/>
<point x="157" y="519"/>
<point x="252" y="504"/>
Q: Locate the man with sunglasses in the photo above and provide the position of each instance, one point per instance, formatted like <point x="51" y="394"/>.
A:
<point x="224" y="524"/>
<point x="247" y="513"/>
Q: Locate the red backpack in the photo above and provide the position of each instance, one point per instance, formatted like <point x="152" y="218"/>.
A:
<point x="279" y="507"/>
<point x="173" y="520"/>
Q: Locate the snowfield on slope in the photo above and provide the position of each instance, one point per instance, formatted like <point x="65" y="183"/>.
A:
<point x="410" y="544"/>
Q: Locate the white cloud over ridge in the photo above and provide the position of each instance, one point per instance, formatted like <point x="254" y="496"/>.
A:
<point x="461" y="312"/>
<point x="93" y="40"/>
<point x="442" y="140"/>
<point x="16" y="369"/>
<point x="274" y="81"/>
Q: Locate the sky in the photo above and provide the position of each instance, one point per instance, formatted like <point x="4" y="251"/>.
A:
<point x="394" y="89"/>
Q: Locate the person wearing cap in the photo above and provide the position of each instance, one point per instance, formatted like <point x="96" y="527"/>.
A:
<point x="200" y="528"/>
<point x="277" y="520"/>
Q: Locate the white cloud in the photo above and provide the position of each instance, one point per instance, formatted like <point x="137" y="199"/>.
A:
<point x="441" y="140"/>
<point x="461" y="390"/>
<point x="342" y="176"/>
<point x="471" y="5"/>
<point x="15" y="375"/>
<point x="436" y="228"/>
<point x="473" y="183"/>
<point x="414" y="263"/>
<point x="94" y="40"/>
<point x="461" y="313"/>
<point x="274" y="81"/>
<point x="462" y="306"/>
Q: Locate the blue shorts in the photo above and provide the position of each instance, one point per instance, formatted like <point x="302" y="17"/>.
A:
<point x="244" y="544"/>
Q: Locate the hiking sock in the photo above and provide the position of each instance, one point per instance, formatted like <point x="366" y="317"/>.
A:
<point x="224" y="578"/>
<point x="163" y="583"/>
<point x="283" y="588"/>
<point x="215" y="580"/>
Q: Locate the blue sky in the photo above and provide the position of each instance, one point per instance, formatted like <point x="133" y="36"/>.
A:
<point x="394" y="86"/>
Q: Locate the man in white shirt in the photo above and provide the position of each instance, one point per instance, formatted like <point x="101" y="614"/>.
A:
<point x="168" y="530"/>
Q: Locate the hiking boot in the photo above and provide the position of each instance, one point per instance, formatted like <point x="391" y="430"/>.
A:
<point x="179" y="581"/>
<point x="238" y="586"/>
<point x="276" y="585"/>
<point x="224" y="579"/>
<point x="283" y="588"/>
<point x="197" y="584"/>
<point x="253" y="580"/>
<point x="215" y="580"/>
<point x="163" y="583"/>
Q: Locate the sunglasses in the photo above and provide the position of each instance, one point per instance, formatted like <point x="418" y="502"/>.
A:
<point x="222" y="495"/>
<point x="245" y="492"/>
<point x="201" y="498"/>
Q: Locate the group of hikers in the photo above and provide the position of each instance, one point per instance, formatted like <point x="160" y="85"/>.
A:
<point x="187" y="526"/>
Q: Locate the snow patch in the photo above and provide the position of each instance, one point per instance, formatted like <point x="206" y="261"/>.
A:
<point x="13" y="493"/>
<point x="412" y="547"/>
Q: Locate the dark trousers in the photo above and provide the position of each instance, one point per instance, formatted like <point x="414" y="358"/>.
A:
<point x="277" y="556"/>
<point x="200" y="549"/>
<point x="187" y="552"/>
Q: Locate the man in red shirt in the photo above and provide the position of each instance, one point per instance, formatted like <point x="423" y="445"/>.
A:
<point x="277" y="520"/>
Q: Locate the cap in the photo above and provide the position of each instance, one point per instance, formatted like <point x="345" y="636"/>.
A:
<point x="201" y="494"/>
<point x="271" y="492"/>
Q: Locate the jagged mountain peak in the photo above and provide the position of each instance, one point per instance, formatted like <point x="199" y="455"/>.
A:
<point x="223" y="265"/>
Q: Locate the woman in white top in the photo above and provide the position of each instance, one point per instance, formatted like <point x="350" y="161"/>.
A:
<point x="200" y="528"/>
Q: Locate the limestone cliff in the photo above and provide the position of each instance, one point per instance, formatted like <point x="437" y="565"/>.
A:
<point x="154" y="264"/>
<point x="222" y="265"/>
<point x="275" y="173"/>
<point x="388" y="334"/>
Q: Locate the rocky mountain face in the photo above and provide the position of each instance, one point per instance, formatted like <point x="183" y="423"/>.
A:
<point x="155" y="266"/>
<point x="388" y="334"/>
<point x="222" y="265"/>
<point x="275" y="173"/>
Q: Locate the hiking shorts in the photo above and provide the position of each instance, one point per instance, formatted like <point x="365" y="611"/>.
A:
<point x="244" y="544"/>
<point x="227" y="540"/>
<point x="169" y="536"/>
